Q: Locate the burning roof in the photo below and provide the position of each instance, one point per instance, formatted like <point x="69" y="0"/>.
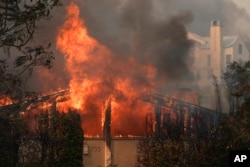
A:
<point x="99" y="73"/>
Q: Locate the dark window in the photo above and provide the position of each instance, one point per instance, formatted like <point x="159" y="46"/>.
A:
<point x="228" y="59"/>
<point x="208" y="60"/>
<point x="240" y="49"/>
<point x="209" y="73"/>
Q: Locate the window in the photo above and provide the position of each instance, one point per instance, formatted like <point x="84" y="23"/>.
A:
<point x="209" y="73"/>
<point x="228" y="59"/>
<point x="240" y="49"/>
<point x="208" y="60"/>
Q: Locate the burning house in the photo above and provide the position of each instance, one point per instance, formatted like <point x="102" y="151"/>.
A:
<point x="170" y="117"/>
<point x="114" y="90"/>
<point x="177" y="118"/>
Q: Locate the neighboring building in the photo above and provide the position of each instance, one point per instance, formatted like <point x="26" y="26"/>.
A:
<point x="211" y="56"/>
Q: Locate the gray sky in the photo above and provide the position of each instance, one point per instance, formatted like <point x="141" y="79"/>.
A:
<point x="243" y="4"/>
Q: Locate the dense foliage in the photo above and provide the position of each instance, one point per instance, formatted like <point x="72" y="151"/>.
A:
<point x="57" y="141"/>
<point x="10" y="132"/>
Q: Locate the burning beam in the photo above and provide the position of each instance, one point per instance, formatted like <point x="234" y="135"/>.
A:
<point x="23" y="105"/>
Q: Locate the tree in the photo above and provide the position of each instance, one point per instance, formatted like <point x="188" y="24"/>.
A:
<point x="237" y="81"/>
<point x="18" y="19"/>
<point x="237" y="78"/>
<point x="234" y="131"/>
<point x="71" y="154"/>
<point x="10" y="132"/>
<point x="57" y="142"/>
<point x="162" y="150"/>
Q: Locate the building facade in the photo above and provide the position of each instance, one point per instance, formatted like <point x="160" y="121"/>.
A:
<point x="123" y="149"/>
<point x="211" y="56"/>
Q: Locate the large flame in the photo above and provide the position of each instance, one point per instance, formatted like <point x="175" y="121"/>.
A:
<point x="98" y="75"/>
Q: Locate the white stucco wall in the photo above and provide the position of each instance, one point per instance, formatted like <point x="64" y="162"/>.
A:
<point x="123" y="151"/>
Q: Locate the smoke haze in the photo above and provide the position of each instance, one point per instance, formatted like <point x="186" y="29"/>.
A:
<point x="152" y="31"/>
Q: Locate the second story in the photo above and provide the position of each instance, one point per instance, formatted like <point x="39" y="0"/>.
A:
<point x="234" y="50"/>
<point x="212" y="54"/>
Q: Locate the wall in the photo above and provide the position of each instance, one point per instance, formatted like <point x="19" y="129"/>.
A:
<point x="95" y="156"/>
<point x="228" y="51"/>
<point x="233" y="50"/>
<point x="202" y="72"/>
<point x="245" y="54"/>
<point x="124" y="152"/>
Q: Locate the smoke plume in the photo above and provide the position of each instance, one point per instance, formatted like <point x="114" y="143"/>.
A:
<point x="130" y="28"/>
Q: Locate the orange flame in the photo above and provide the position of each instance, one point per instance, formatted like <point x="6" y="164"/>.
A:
<point x="97" y="75"/>
<point x="5" y="101"/>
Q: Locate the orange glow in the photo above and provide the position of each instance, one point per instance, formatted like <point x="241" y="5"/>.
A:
<point x="97" y="75"/>
<point x="5" y="101"/>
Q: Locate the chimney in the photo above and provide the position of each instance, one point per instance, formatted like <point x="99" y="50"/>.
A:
<point x="216" y="48"/>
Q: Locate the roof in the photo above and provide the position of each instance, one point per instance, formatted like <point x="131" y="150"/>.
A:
<point x="229" y="40"/>
<point x="197" y="38"/>
<point x="204" y="42"/>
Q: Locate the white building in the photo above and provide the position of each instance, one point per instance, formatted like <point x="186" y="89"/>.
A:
<point x="211" y="56"/>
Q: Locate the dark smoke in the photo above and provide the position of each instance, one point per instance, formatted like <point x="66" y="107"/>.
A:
<point x="170" y="51"/>
<point x="131" y="29"/>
